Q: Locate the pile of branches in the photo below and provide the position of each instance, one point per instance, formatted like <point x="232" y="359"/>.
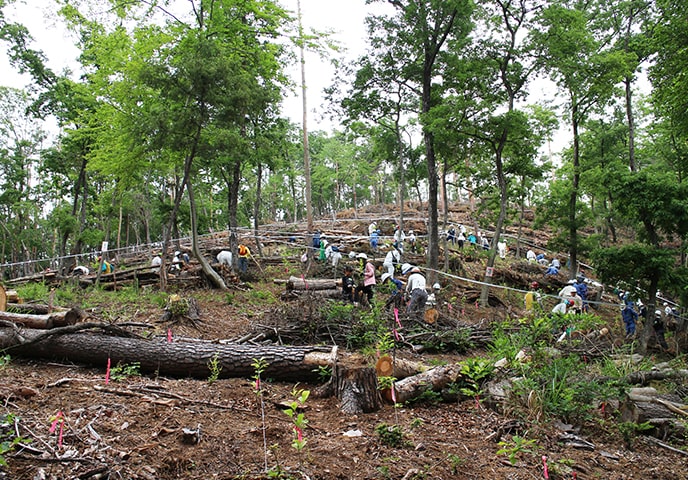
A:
<point x="314" y="321"/>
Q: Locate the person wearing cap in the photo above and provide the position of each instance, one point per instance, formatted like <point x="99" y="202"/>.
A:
<point x="582" y="291"/>
<point x="368" y="280"/>
<point x="451" y="235"/>
<point x="107" y="266"/>
<point x="530" y="256"/>
<point x="552" y="270"/>
<point x="659" y="328"/>
<point x="562" y="307"/>
<point x="415" y="290"/>
<point x="348" y="286"/>
<point x="461" y="239"/>
<point x="532" y="296"/>
<point x="392" y="258"/>
<point x="244" y="254"/>
<point x="629" y="317"/>
<point x="176" y="260"/>
<point x="371" y="228"/>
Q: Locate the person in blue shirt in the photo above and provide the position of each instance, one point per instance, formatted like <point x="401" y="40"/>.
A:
<point x="630" y="317"/>
<point x="374" y="239"/>
<point x="395" y="286"/>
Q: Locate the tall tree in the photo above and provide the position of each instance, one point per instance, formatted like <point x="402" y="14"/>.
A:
<point x="423" y="30"/>
<point x="587" y="71"/>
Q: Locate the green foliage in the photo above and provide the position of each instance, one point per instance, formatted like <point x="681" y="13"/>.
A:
<point x="122" y="371"/>
<point x="8" y="438"/>
<point x="517" y="447"/>
<point x="324" y="373"/>
<point x="630" y="430"/>
<point x="4" y="361"/>
<point x="390" y="435"/>
<point x="215" y="368"/>
<point x="298" y="419"/>
<point x="34" y="292"/>
<point x="384" y="382"/>
<point x="474" y="371"/>
<point x="455" y="462"/>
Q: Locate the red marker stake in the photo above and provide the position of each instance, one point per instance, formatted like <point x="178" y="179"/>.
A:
<point x="544" y="465"/>
<point x="107" y="372"/>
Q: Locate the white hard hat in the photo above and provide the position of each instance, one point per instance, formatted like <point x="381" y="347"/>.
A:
<point x="658" y="313"/>
<point x="405" y="268"/>
<point x="179" y="253"/>
<point x="352" y="254"/>
<point x="385" y="276"/>
<point x="362" y="255"/>
<point x="436" y="286"/>
<point x="410" y="231"/>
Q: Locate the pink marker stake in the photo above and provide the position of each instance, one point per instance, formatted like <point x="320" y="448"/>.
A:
<point x="394" y="395"/>
<point x="169" y="335"/>
<point x="58" y="420"/>
<point x="396" y="317"/>
<point x="396" y="335"/>
<point x="107" y="372"/>
<point x="544" y="465"/>
<point x="304" y="281"/>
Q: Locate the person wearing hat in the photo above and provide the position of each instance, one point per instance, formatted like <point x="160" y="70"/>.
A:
<point x="399" y="235"/>
<point x="412" y="240"/>
<point x="415" y="290"/>
<point x="156" y="261"/>
<point x="372" y="227"/>
<point x="658" y="327"/>
<point x="392" y="258"/>
<point x="562" y="307"/>
<point x="368" y="279"/>
<point x="630" y="317"/>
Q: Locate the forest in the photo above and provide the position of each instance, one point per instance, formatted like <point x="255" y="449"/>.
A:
<point x="172" y="127"/>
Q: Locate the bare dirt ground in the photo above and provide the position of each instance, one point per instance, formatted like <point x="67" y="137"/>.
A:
<point x="134" y="428"/>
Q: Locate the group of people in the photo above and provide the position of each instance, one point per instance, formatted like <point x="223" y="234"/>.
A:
<point x="225" y="257"/>
<point x="630" y="317"/>
<point x="398" y="238"/>
<point x="414" y="290"/>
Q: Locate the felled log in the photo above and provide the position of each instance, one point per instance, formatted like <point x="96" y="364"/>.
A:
<point x="3" y="299"/>
<point x="295" y="283"/>
<point x="46" y="321"/>
<point x="175" y="359"/>
<point x="398" y="368"/>
<point x="666" y="412"/>
<point x="434" y="379"/>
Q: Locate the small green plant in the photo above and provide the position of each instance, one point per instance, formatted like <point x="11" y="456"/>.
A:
<point x="630" y="430"/>
<point x="215" y="368"/>
<point x="455" y="462"/>
<point x="516" y="447"/>
<point x="390" y="435"/>
<point x="122" y="371"/>
<point x="4" y="361"/>
<point x="8" y="439"/>
<point x="324" y="373"/>
<point x="299" y="419"/>
<point x="384" y="382"/>
<point x="417" y="422"/>
<point x="474" y="371"/>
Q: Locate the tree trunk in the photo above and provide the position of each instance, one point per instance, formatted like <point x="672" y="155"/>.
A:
<point x="175" y="359"/>
<point x="295" y="283"/>
<point x="356" y="388"/>
<point x="432" y="380"/>
<point x="47" y="321"/>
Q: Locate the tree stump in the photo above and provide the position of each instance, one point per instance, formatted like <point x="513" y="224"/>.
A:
<point x="356" y="389"/>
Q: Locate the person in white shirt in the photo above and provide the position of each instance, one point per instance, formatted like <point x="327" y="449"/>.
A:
<point x="392" y="258"/>
<point x="530" y="256"/>
<point x="415" y="290"/>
